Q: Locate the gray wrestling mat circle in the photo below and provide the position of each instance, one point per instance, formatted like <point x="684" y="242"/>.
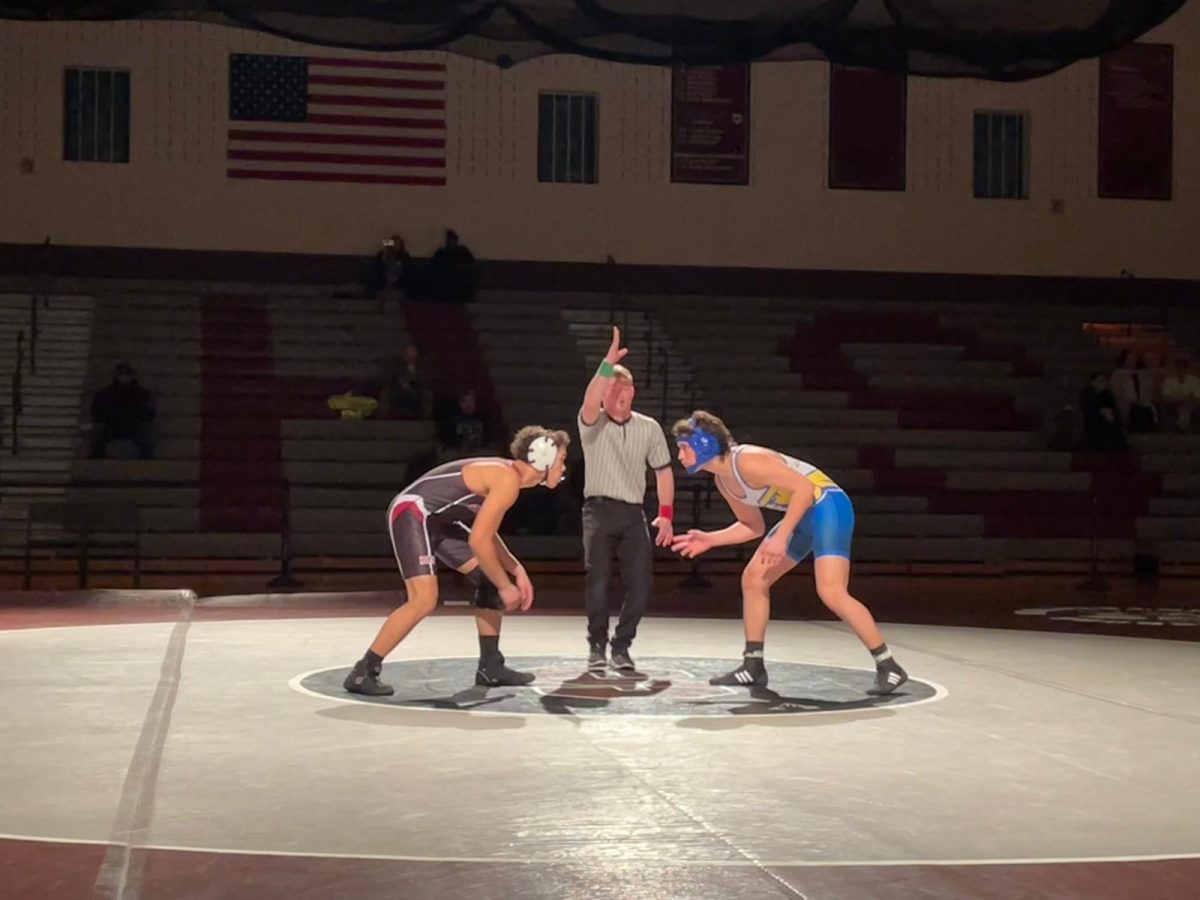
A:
<point x="661" y="686"/>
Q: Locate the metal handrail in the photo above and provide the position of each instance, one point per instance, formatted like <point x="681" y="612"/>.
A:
<point x="649" y="337"/>
<point x="40" y="291"/>
<point x="18" y="405"/>
<point x="695" y="578"/>
<point x="285" y="580"/>
<point x="666" y="382"/>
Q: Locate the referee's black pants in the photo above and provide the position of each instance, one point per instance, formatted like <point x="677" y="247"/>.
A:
<point x="607" y="524"/>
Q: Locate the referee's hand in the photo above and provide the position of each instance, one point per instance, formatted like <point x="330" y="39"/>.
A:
<point x="666" y="532"/>
<point x="616" y="352"/>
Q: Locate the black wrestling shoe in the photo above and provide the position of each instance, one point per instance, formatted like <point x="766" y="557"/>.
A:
<point x="597" y="661"/>
<point x="888" y="677"/>
<point x="494" y="673"/>
<point x="743" y="676"/>
<point x="622" y="661"/>
<point x="362" y="680"/>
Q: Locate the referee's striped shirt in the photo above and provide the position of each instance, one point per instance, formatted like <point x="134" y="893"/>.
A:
<point x="615" y="456"/>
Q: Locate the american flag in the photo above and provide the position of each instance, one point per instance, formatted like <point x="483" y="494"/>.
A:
<point x="317" y="118"/>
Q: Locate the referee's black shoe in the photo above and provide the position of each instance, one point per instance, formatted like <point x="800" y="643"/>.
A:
<point x="597" y="661"/>
<point x="621" y="660"/>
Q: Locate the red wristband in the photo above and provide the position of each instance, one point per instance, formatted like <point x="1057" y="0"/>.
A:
<point x="667" y="512"/>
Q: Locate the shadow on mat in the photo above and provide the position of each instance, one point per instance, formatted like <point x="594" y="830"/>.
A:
<point x="383" y="711"/>
<point x="763" y="703"/>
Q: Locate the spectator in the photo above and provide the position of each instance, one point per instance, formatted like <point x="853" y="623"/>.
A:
<point x="1062" y="420"/>
<point x="406" y="394"/>
<point x="1133" y="387"/>
<point x="392" y="267"/>
<point x="452" y="271"/>
<point x="1181" y="393"/>
<point x="122" y="411"/>
<point x="1101" y="424"/>
<point x="468" y="425"/>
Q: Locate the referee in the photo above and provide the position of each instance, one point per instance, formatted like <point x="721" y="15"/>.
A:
<point x="618" y="444"/>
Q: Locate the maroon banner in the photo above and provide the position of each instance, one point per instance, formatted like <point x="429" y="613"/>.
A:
<point x="710" y="125"/>
<point x="1137" y="97"/>
<point x="868" y="129"/>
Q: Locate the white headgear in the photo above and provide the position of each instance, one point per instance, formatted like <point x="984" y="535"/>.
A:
<point x="542" y="453"/>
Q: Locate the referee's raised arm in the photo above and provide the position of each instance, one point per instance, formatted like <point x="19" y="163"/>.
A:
<point x="589" y="412"/>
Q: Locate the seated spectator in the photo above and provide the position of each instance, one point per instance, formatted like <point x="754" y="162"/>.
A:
<point x="1180" y="394"/>
<point x="122" y="411"/>
<point x="1098" y="407"/>
<point x="452" y="272"/>
<point x="1101" y="423"/>
<point x="1063" y="418"/>
<point x="406" y="394"/>
<point x="392" y="267"/>
<point x="468" y="424"/>
<point x="1133" y="386"/>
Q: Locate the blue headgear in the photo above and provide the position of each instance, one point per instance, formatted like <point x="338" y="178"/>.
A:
<point x="703" y="443"/>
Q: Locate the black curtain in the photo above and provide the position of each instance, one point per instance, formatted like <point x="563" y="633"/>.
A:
<point x="1006" y="40"/>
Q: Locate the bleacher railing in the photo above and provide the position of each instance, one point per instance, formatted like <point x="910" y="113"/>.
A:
<point x="701" y="491"/>
<point x="17" y="405"/>
<point x="285" y="580"/>
<point x="100" y="524"/>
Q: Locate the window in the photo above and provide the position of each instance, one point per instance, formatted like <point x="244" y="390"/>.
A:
<point x="1000" y="153"/>
<point x="567" y="138"/>
<point x="96" y="116"/>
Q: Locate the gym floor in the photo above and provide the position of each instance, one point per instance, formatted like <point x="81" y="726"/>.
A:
<point x="157" y="745"/>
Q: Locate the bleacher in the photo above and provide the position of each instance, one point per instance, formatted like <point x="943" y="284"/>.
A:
<point x="944" y="405"/>
<point x="35" y="461"/>
<point x="932" y="415"/>
<point x="242" y="383"/>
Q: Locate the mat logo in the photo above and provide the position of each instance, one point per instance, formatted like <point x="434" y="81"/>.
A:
<point x="572" y="685"/>
<point x="1118" y="615"/>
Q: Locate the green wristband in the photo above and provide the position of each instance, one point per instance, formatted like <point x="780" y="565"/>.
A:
<point x="606" y="369"/>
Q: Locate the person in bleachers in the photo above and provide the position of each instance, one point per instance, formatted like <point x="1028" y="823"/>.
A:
<point x="1180" y="393"/>
<point x="1102" y="430"/>
<point x="1134" y="387"/>
<point x="406" y="393"/>
<point x="122" y="411"/>
<point x="468" y="432"/>
<point x="393" y="267"/>
<point x="451" y="275"/>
